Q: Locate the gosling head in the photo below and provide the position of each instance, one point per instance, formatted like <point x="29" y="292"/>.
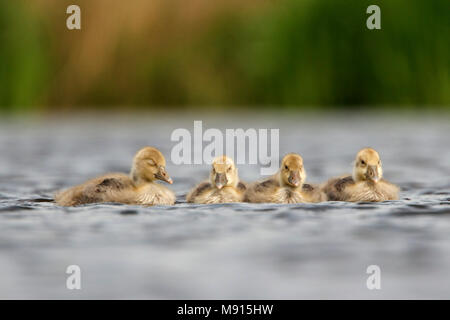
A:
<point x="223" y="173"/>
<point x="292" y="173"/>
<point x="367" y="166"/>
<point x="149" y="164"/>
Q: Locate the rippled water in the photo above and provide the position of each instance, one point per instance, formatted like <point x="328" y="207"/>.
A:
<point x="231" y="250"/>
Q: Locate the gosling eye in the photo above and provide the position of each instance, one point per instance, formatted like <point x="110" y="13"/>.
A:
<point x="229" y="169"/>
<point x="363" y="162"/>
<point x="151" y="162"/>
<point x="286" y="167"/>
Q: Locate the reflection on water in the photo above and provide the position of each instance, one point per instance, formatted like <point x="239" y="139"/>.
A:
<point x="230" y="250"/>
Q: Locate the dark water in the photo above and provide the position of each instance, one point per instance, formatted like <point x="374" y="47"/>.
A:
<point x="231" y="250"/>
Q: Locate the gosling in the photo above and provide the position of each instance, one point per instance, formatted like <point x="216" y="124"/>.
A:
<point x="365" y="184"/>
<point x="223" y="185"/>
<point x="286" y="186"/>
<point x="138" y="188"/>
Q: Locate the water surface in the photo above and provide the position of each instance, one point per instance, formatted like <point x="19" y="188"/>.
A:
<point x="230" y="250"/>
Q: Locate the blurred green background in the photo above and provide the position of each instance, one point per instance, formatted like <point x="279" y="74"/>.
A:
<point x="219" y="53"/>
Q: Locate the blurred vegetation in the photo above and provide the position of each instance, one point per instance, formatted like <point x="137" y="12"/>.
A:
<point x="284" y="53"/>
<point x="23" y="58"/>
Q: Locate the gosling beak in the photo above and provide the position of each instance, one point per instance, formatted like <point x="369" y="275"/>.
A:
<point x="372" y="173"/>
<point x="294" y="178"/>
<point x="221" y="180"/>
<point x="163" y="175"/>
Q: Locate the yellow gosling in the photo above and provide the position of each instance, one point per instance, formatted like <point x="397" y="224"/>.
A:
<point x="286" y="186"/>
<point x="223" y="185"/>
<point x="138" y="188"/>
<point x="365" y="184"/>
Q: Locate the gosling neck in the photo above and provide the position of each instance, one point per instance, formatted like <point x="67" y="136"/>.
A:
<point x="233" y="184"/>
<point x="358" y="178"/>
<point x="138" y="179"/>
<point x="230" y="184"/>
<point x="355" y="176"/>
